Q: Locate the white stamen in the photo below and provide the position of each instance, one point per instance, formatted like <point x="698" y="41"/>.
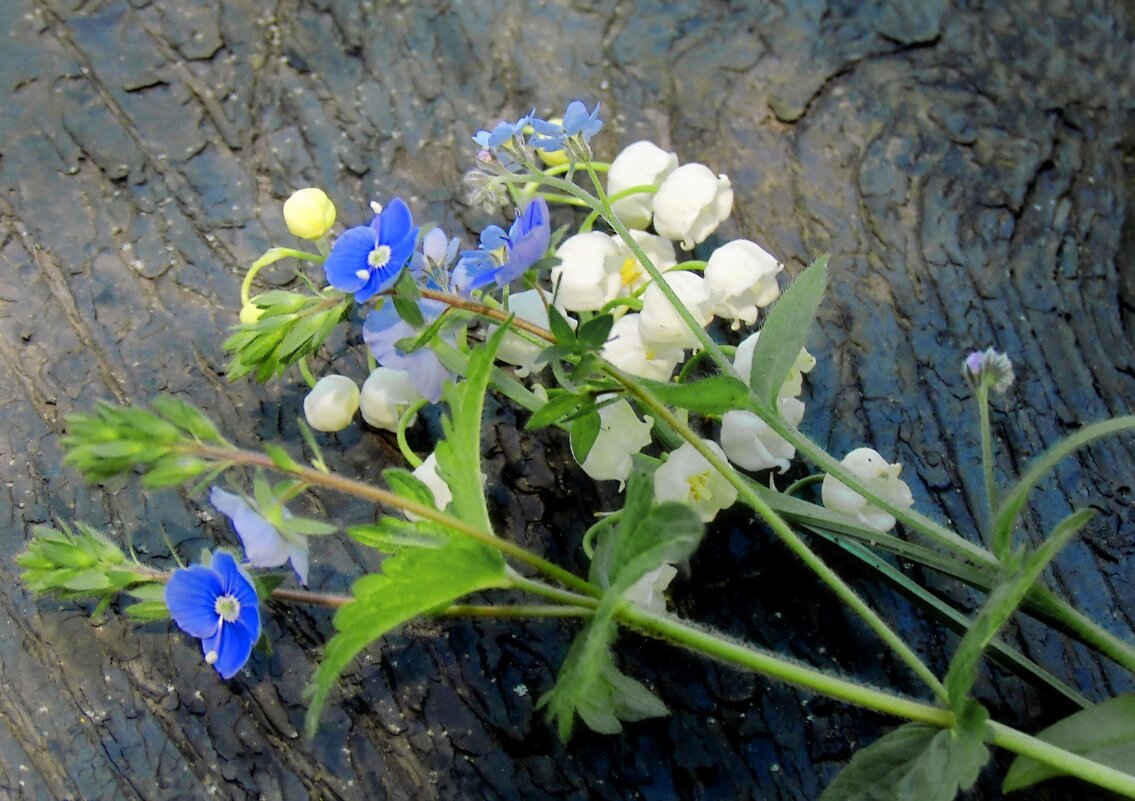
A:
<point x="362" y="273"/>
<point x="211" y="657"/>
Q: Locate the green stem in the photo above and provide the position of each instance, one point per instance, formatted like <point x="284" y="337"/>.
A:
<point x="1071" y="764"/>
<point x="801" y="483"/>
<point x="271" y="256"/>
<point x="400" y="432"/>
<point x="982" y="397"/>
<point x="786" y="534"/>
<point x="305" y="371"/>
<point x="377" y="495"/>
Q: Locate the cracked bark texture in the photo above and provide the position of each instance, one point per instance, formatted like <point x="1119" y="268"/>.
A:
<point x="968" y="165"/>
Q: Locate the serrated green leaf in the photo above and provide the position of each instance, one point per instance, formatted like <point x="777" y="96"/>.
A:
<point x="584" y="432"/>
<point x="915" y="761"/>
<point x="1104" y="733"/>
<point x="1000" y="605"/>
<point x="715" y="395"/>
<point x="459" y="453"/>
<point x="785" y="330"/>
<point x="411" y="583"/>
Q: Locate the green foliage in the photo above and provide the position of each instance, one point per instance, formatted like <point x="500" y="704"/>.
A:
<point x="916" y="761"/>
<point x="406" y="485"/>
<point x="1010" y="509"/>
<point x="584" y="432"/>
<point x="76" y="563"/>
<point x="392" y="534"/>
<point x="715" y="395"/>
<point x="412" y="582"/>
<point x="117" y="439"/>
<point x="1002" y="602"/>
<point x="785" y="330"/>
<point x="1104" y="733"/>
<point x="646" y="537"/>
<point x="291" y="326"/>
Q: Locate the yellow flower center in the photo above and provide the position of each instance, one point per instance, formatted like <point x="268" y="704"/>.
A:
<point x="630" y="272"/>
<point x="699" y="486"/>
<point x="379" y="256"/>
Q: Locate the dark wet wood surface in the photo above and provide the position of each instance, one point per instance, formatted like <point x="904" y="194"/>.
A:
<point x="968" y="166"/>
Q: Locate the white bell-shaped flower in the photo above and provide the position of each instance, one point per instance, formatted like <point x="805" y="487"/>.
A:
<point x="626" y="350"/>
<point x="427" y="473"/>
<point x="386" y="395"/>
<point x="621" y="436"/>
<point x="332" y="403"/>
<point x="749" y="442"/>
<point x="588" y="274"/>
<point x="515" y="348"/>
<point x="640" y="164"/>
<point x="658" y="249"/>
<point x="793" y="384"/>
<point x="742" y="278"/>
<point x="647" y="592"/>
<point x="687" y="477"/>
<point x="660" y="324"/>
<point x="881" y="476"/>
<point x="691" y="203"/>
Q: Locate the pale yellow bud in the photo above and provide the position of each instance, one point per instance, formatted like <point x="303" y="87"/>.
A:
<point x="250" y="313"/>
<point x="309" y="213"/>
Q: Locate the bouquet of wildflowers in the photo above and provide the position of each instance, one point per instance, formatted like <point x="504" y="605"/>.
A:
<point x="607" y="329"/>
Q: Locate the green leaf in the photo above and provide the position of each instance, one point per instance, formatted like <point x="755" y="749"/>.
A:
<point x="407" y="485"/>
<point x="280" y="458"/>
<point x="266" y="583"/>
<point x="915" y="761"/>
<point x="556" y="409"/>
<point x="715" y="395"/>
<point x="145" y="611"/>
<point x="392" y="534"/>
<point x="1104" y="733"/>
<point x="594" y="332"/>
<point x="306" y="526"/>
<point x="174" y="471"/>
<point x="785" y="329"/>
<point x="1001" y="603"/>
<point x="584" y="431"/>
<point x="408" y="310"/>
<point x="459" y="453"/>
<point x="411" y="583"/>
<point x="1010" y="508"/>
<point x="560" y="327"/>
<point x="187" y="417"/>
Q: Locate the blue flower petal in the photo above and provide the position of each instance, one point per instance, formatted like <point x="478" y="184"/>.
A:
<point x="300" y="561"/>
<point x="575" y="117"/>
<point x="263" y="545"/>
<point x="235" y="582"/>
<point x="191" y="595"/>
<point x="384" y="327"/>
<point x="394" y="223"/>
<point x="493" y="237"/>
<point x="349" y="255"/>
<point x="233" y="646"/>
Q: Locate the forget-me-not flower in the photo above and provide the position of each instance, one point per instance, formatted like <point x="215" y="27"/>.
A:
<point x="366" y="259"/>
<point x="264" y="545"/>
<point x="219" y="606"/>
<point x="503" y="257"/>
<point x="573" y="133"/>
<point x="502" y="133"/>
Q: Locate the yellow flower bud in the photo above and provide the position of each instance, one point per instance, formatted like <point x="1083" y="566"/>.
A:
<point x="309" y="213"/>
<point x="250" y="313"/>
<point x="555" y="158"/>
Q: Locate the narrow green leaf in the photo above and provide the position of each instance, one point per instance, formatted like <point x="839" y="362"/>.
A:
<point x="187" y="417"/>
<point x="307" y="527"/>
<point x="560" y="327"/>
<point x="1010" y="508"/>
<point x="150" y="591"/>
<point x="280" y="458"/>
<point x="408" y="310"/>
<point x="594" y="332"/>
<point x="1001" y="603"/>
<point x="556" y="409"/>
<point x="584" y="432"/>
<point x="1104" y="733"/>
<point x="174" y="471"/>
<point x="407" y="289"/>
<point x="715" y="395"/>
<point x="411" y="583"/>
<point x="392" y="534"/>
<point x="785" y="330"/>
<point x="145" y="611"/>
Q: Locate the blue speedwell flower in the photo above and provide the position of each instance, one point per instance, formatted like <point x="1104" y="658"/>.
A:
<point x="383" y="328"/>
<point x="502" y="133"/>
<point x="578" y="125"/>
<point x="504" y="257"/>
<point x="218" y="605"/>
<point x="366" y="259"/>
<point x="264" y="545"/>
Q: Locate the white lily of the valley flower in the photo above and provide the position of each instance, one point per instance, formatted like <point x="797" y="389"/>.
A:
<point x="647" y="592"/>
<point x="514" y="348"/>
<point x="793" y="384"/>
<point x="427" y="473"/>
<point x="881" y="476"/>
<point x="749" y="442"/>
<point x="332" y="403"/>
<point x="626" y="350"/>
<point x="640" y="164"/>
<point x="742" y="277"/>
<point x="589" y="271"/>
<point x="687" y="477"/>
<point x="621" y="436"/>
<point x="660" y="324"/>
<point x="385" y="396"/>
<point x="691" y="203"/>
<point x="658" y="249"/>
